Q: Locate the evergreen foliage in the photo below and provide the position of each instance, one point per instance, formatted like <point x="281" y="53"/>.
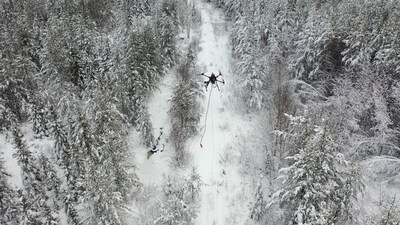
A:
<point x="64" y="71"/>
<point x="259" y="205"/>
<point x="178" y="205"/>
<point x="32" y="205"/>
<point x="167" y="26"/>
<point x="80" y="73"/>
<point x="318" y="186"/>
<point x="390" y="212"/>
<point x="185" y="109"/>
<point x="7" y="198"/>
<point x="322" y="60"/>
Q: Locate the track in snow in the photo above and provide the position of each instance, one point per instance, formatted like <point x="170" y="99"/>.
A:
<point x="221" y="184"/>
<point x="151" y="171"/>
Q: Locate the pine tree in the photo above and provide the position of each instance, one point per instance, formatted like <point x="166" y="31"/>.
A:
<point x="19" y="61"/>
<point x="176" y="206"/>
<point x="64" y="153"/>
<point x="195" y="183"/>
<point x="145" y="67"/>
<point x="310" y="46"/>
<point x="185" y="112"/>
<point x="258" y="207"/>
<point x="32" y="205"/>
<point x="111" y="133"/>
<point x="103" y="201"/>
<point x="7" y="198"/>
<point x="52" y="185"/>
<point x="40" y="121"/>
<point x="390" y="213"/>
<point x="316" y="182"/>
<point x="111" y="178"/>
<point x="250" y="49"/>
<point x="384" y="135"/>
<point x="167" y="26"/>
<point x="50" y="179"/>
<point x="145" y="61"/>
<point x="82" y="151"/>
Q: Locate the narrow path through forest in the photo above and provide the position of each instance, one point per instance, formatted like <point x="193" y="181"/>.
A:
<point x="221" y="179"/>
<point x="151" y="170"/>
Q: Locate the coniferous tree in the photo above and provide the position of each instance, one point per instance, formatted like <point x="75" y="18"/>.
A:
<point x="82" y="150"/>
<point x="50" y="179"/>
<point x="259" y="205"/>
<point x="185" y="111"/>
<point x="7" y="198"/>
<point x="247" y="54"/>
<point x="70" y="73"/>
<point x="390" y="212"/>
<point x="194" y="183"/>
<point x="311" y="45"/>
<point x="167" y="26"/>
<point x="111" y="178"/>
<point x="40" y="120"/>
<point x="145" y="68"/>
<point x="316" y="182"/>
<point x="32" y="205"/>
<point x="176" y="206"/>
<point x="64" y="155"/>
<point x="52" y="186"/>
<point x="112" y="133"/>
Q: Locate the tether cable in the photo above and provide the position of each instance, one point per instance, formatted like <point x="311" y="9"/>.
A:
<point x="205" y="121"/>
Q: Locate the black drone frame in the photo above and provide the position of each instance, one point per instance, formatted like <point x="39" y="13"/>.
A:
<point x="213" y="79"/>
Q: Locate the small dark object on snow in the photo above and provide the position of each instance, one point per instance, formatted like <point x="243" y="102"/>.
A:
<point x="213" y="79"/>
<point x="156" y="148"/>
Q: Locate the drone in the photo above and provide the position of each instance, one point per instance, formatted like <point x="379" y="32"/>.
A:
<point x="213" y="79"/>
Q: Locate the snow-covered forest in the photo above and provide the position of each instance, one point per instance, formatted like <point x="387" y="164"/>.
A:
<point x="105" y="119"/>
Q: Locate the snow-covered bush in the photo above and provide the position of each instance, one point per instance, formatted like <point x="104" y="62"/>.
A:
<point x="319" y="185"/>
<point x="167" y="27"/>
<point x="179" y="204"/>
<point x="258" y="207"/>
<point x="185" y="108"/>
<point x="388" y="213"/>
<point x="7" y="198"/>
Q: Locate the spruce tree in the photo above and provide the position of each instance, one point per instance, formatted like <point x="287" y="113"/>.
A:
<point x="167" y="26"/>
<point x="177" y="206"/>
<point x="64" y="155"/>
<point x="317" y="180"/>
<point x="7" y="198"/>
<point x="185" y="112"/>
<point x="32" y="205"/>
<point x="258" y="207"/>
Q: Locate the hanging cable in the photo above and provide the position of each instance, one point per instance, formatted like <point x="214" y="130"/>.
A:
<point x="205" y="121"/>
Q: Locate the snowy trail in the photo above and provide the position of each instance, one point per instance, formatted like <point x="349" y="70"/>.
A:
<point x="151" y="170"/>
<point x="222" y="183"/>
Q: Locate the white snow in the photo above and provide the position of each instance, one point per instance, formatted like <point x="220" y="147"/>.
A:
<point x="151" y="171"/>
<point x="216" y="160"/>
<point x="7" y="150"/>
<point x="223" y="199"/>
<point x="10" y="163"/>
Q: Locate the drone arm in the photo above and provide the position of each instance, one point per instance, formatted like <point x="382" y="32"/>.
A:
<point x="202" y="74"/>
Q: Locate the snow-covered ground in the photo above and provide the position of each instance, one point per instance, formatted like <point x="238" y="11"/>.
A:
<point x="7" y="151"/>
<point x="10" y="163"/>
<point x="222" y="197"/>
<point x="216" y="160"/>
<point x="151" y="171"/>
